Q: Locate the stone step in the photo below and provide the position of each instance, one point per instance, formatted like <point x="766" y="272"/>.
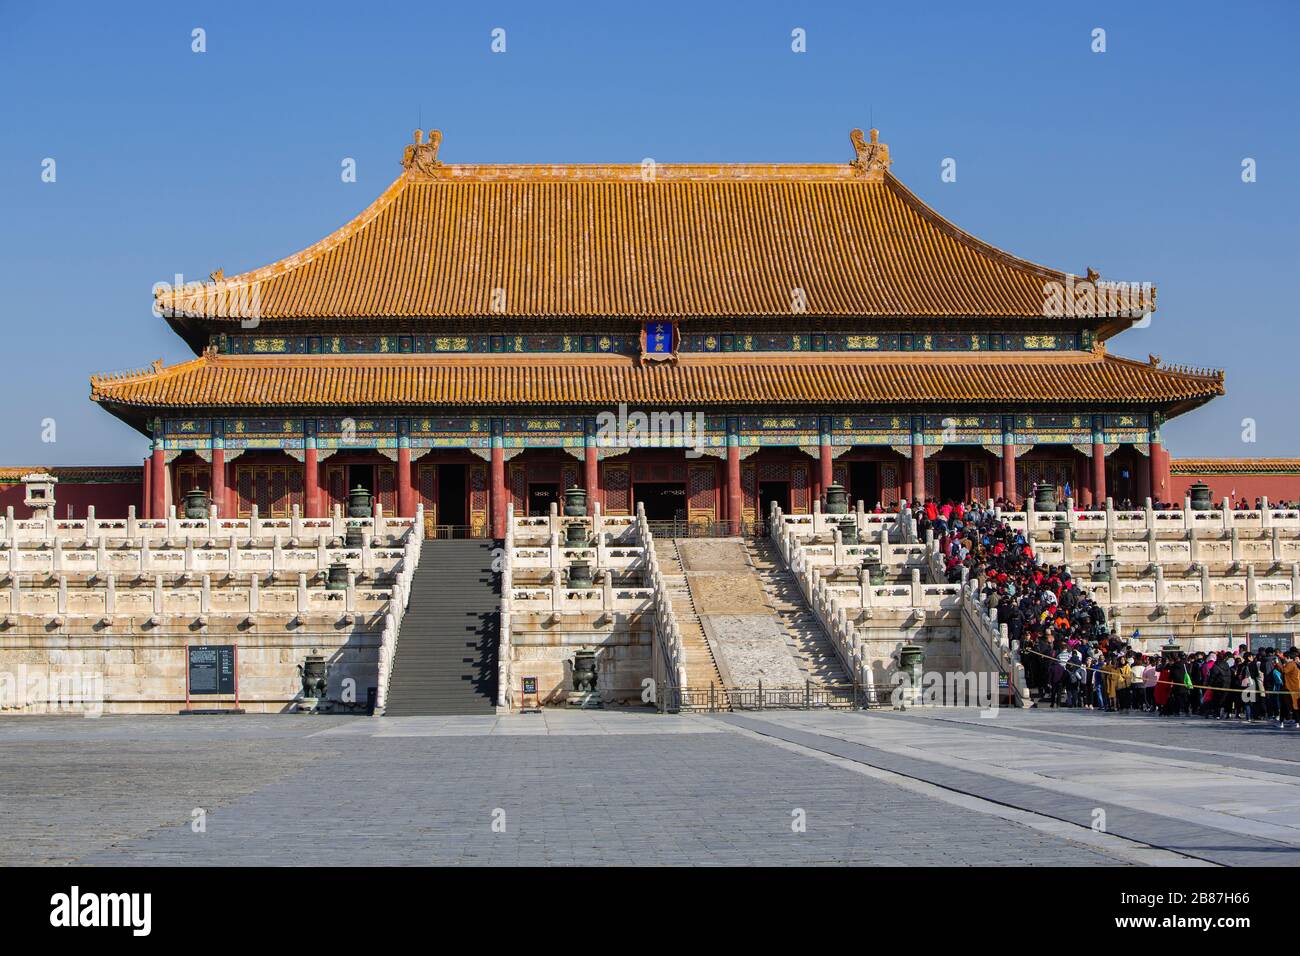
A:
<point x="701" y="668"/>
<point x="807" y="641"/>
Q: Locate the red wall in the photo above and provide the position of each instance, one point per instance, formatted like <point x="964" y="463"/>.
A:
<point x="114" y="489"/>
<point x="110" y="490"/>
<point x="1240" y="485"/>
<point x="1278" y="481"/>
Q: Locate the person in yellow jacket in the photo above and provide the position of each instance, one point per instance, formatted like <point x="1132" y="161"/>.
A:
<point x="1124" y="683"/>
<point x="1291" y="682"/>
<point x="1110" y="682"/>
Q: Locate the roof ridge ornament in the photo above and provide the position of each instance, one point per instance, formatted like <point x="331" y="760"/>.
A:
<point x="872" y="157"/>
<point x="423" y="156"/>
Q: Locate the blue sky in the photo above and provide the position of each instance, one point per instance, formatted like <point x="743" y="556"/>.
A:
<point x="170" y="161"/>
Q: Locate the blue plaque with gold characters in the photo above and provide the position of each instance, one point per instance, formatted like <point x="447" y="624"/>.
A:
<point x="658" y="339"/>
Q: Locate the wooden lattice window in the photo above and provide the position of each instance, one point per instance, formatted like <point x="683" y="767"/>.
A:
<point x="275" y="489"/>
<point x="191" y="475"/>
<point x="478" y="500"/>
<point x="702" y="487"/>
<point x="426" y="487"/>
<point x="889" y="485"/>
<point x="979" y="482"/>
<point x="618" y="490"/>
<point x="1055" y="472"/>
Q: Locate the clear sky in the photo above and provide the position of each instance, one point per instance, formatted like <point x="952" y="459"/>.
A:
<point x="168" y="160"/>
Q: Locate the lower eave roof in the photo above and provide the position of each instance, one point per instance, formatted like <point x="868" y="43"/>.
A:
<point x="212" y="381"/>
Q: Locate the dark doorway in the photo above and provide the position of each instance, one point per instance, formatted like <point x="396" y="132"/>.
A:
<point x="451" y="495"/>
<point x="864" y="484"/>
<point x="770" y="491"/>
<point x="663" y="501"/>
<point x="952" y="481"/>
<point x="361" y="476"/>
<point x="540" y="497"/>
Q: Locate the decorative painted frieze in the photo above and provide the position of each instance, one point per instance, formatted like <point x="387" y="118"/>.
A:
<point x="878" y="342"/>
<point x="646" y="343"/>
<point x="704" y="432"/>
<point x="426" y="344"/>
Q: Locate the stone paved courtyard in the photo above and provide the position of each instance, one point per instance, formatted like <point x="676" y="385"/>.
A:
<point x="615" y="787"/>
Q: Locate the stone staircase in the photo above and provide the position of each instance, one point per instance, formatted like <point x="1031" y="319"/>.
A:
<point x="807" y="641"/>
<point x="446" y="652"/>
<point x="701" y="668"/>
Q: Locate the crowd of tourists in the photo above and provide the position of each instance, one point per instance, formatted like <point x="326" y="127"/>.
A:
<point x="1072" y="658"/>
<point x="1124" y="504"/>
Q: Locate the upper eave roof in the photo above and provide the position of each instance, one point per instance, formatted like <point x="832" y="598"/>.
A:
<point x="659" y="241"/>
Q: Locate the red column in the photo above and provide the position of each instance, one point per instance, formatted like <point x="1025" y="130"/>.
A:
<point x="1142" y="478"/>
<point x="1099" y="474"/>
<point x="1159" y="473"/>
<point x="591" y="478"/>
<point x="311" y="482"/>
<point x="827" y="466"/>
<point x="158" y="486"/>
<point x="146" y="498"/>
<point x="405" y="496"/>
<point x="1009" y="473"/>
<point x="498" y="490"/>
<point x="217" y="486"/>
<point x="232" y="493"/>
<point x="1083" y="478"/>
<point x="735" y="501"/>
<point x="999" y="486"/>
<point x="918" y="471"/>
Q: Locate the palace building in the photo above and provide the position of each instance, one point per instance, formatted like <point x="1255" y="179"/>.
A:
<point x="464" y="342"/>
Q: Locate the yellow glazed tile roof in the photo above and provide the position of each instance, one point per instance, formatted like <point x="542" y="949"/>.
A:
<point x="655" y="241"/>
<point x="1234" y="466"/>
<point x="242" y="381"/>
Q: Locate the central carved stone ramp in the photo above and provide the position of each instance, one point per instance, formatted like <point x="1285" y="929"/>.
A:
<point x="701" y="668"/>
<point x="447" y="646"/>
<point x="818" y="660"/>
<point x="747" y="636"/>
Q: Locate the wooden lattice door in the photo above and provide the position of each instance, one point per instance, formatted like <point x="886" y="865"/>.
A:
<point x="478" y="499"/>
<point x="618" y="490"/>
<point x="336" y="486"/>
<point x="701" y="501"/>
<point x="426" y="487"/>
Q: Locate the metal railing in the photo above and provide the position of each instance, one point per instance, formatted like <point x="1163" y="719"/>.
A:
<point x="682" y="528"/>
<point x="447" y="532"/>
<point x="810" y="696"/>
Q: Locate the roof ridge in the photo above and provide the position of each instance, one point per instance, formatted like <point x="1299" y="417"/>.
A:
<point x="155" y="371"/>
<point x="289" y="263"/>
<point x="1184" y="371"/>
<point x="961" y="235"/>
